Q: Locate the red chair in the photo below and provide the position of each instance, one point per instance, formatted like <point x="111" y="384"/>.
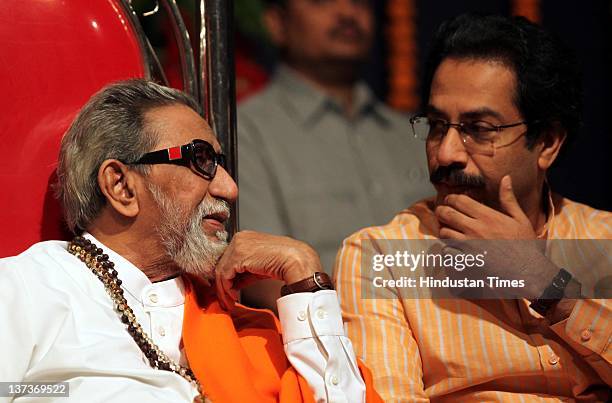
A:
<point x="55" y="55"/>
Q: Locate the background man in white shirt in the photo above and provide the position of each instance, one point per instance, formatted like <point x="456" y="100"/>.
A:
<point x="141" y="178"/>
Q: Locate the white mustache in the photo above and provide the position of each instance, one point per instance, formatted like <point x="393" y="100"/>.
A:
<point x="213" y="206"/>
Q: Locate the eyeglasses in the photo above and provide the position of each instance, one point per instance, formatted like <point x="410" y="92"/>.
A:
<point x="479" y="137"/>
<point x="199" y="155"/>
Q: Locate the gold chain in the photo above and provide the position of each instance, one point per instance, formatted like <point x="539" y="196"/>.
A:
<point x="98" y="263"/>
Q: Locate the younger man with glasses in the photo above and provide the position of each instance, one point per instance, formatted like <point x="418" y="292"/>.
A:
<point x="501" y="98"/>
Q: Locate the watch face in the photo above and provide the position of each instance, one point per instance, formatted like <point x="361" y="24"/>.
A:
<point x="323" y="281"/>
<point x="562" y="279"/>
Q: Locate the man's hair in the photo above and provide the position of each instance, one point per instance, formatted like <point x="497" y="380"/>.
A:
<point x="111" y="125"/>
<point x="548" y="78"/>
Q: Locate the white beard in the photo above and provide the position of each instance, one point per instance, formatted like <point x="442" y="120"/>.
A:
<point x="185" y="242"/>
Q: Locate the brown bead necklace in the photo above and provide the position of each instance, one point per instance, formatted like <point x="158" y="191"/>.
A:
<point x="104" y="269"/>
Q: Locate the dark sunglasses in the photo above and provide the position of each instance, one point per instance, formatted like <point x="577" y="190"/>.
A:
<point x="199" y="155"/>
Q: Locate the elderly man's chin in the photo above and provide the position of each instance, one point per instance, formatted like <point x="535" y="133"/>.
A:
<point x="194" y="240"/>
<point x="213" y="229"/>
<point x="199" y="253"/>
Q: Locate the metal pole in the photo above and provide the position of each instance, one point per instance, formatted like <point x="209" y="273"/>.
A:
<point x="216" y="79"/>
<point x="188" y="68"/>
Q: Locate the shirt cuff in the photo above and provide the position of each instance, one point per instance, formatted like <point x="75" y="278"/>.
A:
<point x="303" y="312"/>
<point x="588" y="328"/>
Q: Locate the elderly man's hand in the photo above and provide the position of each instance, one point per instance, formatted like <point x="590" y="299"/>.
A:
<point x="254" y="255"/>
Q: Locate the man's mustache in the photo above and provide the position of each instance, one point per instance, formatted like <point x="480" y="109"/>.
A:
<point x="214" y="206"/>
<point x="455" y="176"/>
<point x="346" y="24"/>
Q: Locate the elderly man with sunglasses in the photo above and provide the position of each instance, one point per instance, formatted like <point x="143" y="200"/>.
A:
<point x="141" y="304"/>
<point x="473" y="295"/>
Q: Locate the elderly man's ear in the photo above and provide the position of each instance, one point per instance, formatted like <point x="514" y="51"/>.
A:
<point x="118" y="185"/>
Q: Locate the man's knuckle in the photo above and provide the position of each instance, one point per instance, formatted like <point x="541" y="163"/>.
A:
<point x="442" y="210"/>
<point x="463" y="199"/>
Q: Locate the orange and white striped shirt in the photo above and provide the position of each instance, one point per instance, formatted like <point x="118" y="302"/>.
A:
<point x="486" y="350"/>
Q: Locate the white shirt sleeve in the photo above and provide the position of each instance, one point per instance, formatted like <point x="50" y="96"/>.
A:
<point x="317" y="348"/>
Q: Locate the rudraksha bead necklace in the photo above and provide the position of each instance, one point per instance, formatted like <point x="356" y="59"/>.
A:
<point x="104" y="269"/>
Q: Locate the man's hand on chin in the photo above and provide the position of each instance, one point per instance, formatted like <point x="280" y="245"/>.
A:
<point x="252" y="256"/>
<point x="463" y="218"/>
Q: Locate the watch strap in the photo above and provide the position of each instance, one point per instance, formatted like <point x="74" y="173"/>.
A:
<point x="318" y="281"/>
<point x="552" y="294"/>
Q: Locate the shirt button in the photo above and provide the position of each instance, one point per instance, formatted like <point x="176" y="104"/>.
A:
<point x="153" y="298"/>
<point x="553" y="360"/>
<point x="301" y="316"/>
<point x="334" y="380"/>
<point x="321" y="314"/>
<point x="162" y="331"/>
<point x="585" y="335"/>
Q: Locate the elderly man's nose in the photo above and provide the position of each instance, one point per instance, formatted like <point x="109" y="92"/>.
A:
<point x="223" y="186"/>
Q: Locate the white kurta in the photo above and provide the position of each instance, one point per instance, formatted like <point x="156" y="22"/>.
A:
<point x="58" y="324"/>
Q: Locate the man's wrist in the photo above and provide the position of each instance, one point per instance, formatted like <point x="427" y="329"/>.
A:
<point x="563" y="286"/>
<point x="302" y="264"/>
<point x="299" y="274"/>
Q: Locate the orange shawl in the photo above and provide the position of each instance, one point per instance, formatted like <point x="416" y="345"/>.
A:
<point x="238" y="356"/>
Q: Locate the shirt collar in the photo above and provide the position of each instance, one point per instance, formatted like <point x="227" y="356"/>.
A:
<point x="308" y="103"/>
<point x="166" y="293"/>
<point x="550" y="212"/>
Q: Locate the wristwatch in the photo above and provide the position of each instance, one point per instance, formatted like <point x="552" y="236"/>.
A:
<point x="552" y="294"/>
<point x="318" y="281"/>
